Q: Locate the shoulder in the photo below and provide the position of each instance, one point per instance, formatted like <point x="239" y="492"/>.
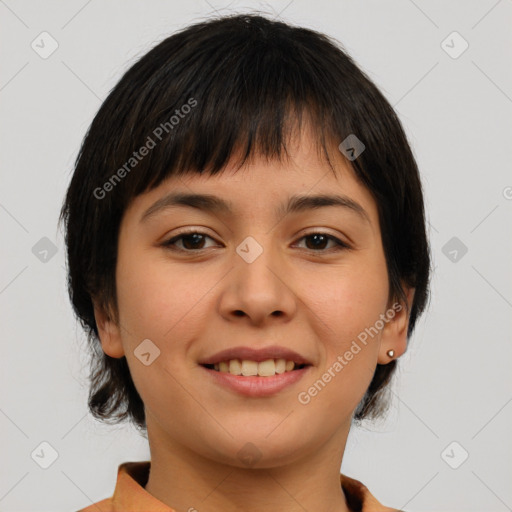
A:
<point x="360" y="498"/>
<point x="105" y="505"/>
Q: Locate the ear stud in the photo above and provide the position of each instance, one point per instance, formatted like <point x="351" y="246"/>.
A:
<point x="391" y="353"/>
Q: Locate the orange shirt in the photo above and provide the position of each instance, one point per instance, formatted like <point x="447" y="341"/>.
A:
<point x="130" y="495"/>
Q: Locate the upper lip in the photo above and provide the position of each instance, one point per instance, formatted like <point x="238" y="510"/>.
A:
<point x="258" y="355"/>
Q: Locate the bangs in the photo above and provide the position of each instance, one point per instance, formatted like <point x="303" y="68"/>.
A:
<point x="201" y="106"/>
<point x="207" y="144"/>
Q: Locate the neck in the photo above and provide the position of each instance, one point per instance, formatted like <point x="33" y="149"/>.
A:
<point x="188" y="481"/>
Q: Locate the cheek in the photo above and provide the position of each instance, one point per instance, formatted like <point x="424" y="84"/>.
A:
<point x="350" y="306"/>
<point x="144" y="289"/>
<point x="353" y="298"/>
<point x="160" y="300"/>
<point x="350" y="349"/>
<point x="156" y="302"/>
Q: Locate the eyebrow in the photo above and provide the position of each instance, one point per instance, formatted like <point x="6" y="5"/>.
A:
<point x="215" y="204"/>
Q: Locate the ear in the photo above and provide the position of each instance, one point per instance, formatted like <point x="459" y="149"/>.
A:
<point x="109" y="332"/>
<point x="394" y="333"/>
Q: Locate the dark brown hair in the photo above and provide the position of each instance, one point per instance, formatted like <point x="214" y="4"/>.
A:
<point x="231" y="85"/>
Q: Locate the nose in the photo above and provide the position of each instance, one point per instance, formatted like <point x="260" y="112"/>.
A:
<point x="259" y="286"/>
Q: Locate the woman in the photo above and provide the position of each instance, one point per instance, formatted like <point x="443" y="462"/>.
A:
<point x="247" y="252"/>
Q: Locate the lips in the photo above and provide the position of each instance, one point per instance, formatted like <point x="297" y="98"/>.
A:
<point x="257" y="355"/>
<point x="256" y="386"/>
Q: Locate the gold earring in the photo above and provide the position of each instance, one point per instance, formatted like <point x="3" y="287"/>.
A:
<point x="390" y="353"/>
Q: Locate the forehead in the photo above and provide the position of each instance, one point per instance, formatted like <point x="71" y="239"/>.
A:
<point x="263" y="186"/>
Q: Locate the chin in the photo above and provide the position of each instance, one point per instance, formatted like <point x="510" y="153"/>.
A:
<point x="257" y="451"/>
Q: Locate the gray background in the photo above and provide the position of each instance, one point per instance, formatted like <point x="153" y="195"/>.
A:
<point x="454" y="382"/>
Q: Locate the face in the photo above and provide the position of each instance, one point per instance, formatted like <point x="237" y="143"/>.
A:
<point x="311" y="280"/>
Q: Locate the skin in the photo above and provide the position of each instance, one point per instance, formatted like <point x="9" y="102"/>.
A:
<point x="191" y="305"/>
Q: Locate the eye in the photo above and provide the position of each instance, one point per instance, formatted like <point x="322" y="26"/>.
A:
<point x="193" y="241"/>
<point x="318" y="240"/>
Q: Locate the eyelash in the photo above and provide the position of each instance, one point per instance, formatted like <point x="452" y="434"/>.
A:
<point x="170" y="244"/>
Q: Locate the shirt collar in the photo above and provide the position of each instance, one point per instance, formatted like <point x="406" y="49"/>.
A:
<point x="129" y="493"/>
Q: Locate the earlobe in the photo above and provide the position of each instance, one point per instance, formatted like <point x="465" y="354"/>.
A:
<point x="109" y="333"/>
<point x="394" y="335"/>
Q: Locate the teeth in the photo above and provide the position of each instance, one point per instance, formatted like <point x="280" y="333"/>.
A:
<point x="268" y="368"/>
<point x="235" y="367"/>
<point x="281" y="365"/>
<point x="249" y="368"/>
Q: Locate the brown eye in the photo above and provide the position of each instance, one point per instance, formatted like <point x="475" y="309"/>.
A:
<point x="194" y="241"/>
<point x="318" y="241"/>
<point x="191" y="241"/>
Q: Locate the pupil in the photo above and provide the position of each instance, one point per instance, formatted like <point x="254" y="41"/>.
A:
<point x="195" y="238"/>
<point x="316" y="238"/>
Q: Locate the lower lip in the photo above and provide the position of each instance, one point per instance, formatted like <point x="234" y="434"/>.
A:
<point x="255" y="386"/>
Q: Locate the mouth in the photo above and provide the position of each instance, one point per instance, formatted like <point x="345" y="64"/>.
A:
<point x="246" y="378"/>
<point x="246" y="368"/>
<point x="249" y="361"/>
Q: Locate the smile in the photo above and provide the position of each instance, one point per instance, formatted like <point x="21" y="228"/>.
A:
<point x="248" y="368"/>
<point x="254" y="385"/>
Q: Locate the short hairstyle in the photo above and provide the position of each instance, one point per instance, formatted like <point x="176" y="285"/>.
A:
<point x="232" y="86"/>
